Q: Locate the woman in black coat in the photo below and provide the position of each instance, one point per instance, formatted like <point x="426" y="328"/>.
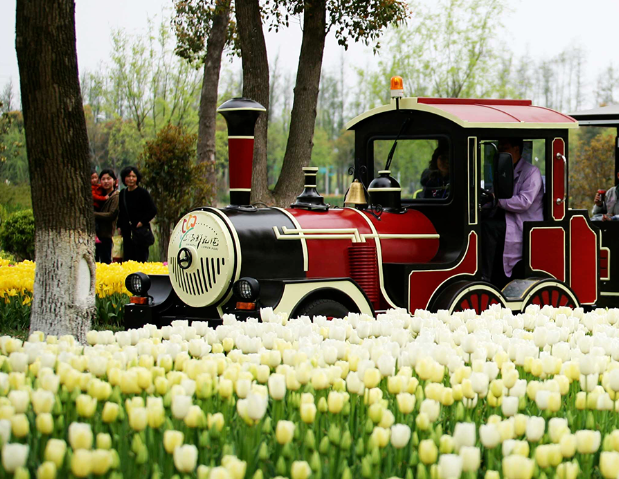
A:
<point x="137" y="209"/>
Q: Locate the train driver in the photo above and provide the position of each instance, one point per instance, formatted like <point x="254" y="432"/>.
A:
<point x="502" y="235"/>
<point x="435" y="178"/>
<point x="606" y="206"/>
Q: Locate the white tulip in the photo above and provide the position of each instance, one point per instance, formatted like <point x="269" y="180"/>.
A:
<point x="449" y="466"/>
<point x="464" y="435"/>
<point x="14" y="456"/>
<point x="256" y="406"/>
<point x="430" y="407"/>
<point x="277" y="386"/>
<point x="20" y="400"/>
<point x="18" y="362"/>
<point x="386" y="365"/>
<point x="480" y="381"/>
<point x="400" y="435"/>
<point x="509" y="407"/>
<point x="489" y="435"/>
<point x="471" y="458"/>
<point x="180" y="405"/>
<point x="535" y="428"/>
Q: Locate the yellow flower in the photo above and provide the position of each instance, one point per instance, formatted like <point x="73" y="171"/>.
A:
<point x="101" y="461"/>
<point x="110" y="412"/>
<point x="428" y="452"/>
<point x="172" y="439"/>
<point x="300" y="470"/>
<point x="138" y="418"/>
<point x="308" y="412"/>
<point x="20" y="425"/>
<point x="55" y="451"/>
<point x="47" y="470"/>
<point x="81" y="463"/>
<point x="85" y="405"/>
<point x="104" y="441"/>
<point x="80" y="436"/>
<point x="284" y="432"/>
<point x="381" y="436"/>
<point x="45" y="423"/>
<point x="371" y="378"/>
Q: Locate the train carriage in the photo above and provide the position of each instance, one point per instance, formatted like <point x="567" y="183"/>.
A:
<point x="405" y="244"/>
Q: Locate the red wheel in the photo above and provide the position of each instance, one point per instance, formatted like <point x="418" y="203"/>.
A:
<point x="477" y="299"/>
<point x="463" y="295"/>
<point x="550" y="293"/>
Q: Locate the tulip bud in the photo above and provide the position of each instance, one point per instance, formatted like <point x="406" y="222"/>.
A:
<point x="20" y="425"/>
<point x="428" y="451"/>
<point x="284" y="432"/>
<point x="47" y="470"/>
<point x="45" y="423"/>
<point x="308" y="413"/>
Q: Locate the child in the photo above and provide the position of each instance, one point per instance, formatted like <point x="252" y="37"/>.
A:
<point x="97" y="193"/>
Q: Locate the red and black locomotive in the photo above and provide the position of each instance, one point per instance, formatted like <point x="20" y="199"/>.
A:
<point x="402" y="243"/>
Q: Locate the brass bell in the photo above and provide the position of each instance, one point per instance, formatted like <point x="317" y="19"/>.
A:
<point x="355" y="194"/>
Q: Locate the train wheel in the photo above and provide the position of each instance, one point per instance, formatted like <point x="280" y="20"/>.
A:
<point x="550" y="293"/>
<point x="463" y="295"/>
<point x="323" y="307"/>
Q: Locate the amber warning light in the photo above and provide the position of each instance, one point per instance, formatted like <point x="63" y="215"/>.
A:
<point x="397" y="87"/>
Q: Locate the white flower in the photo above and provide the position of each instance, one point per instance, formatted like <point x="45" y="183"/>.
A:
<point x="509" y="407"/>
<point x="613" y="379"/>
<point x="186" y="457"/>
<point x="469" y="344"/>
<point x="386" y="365"/>
<point x="471" y="458"/>
<point x="535" y="428"/>
<point x="449" y="466"/>
<point x="480" y="381"/>
<point x="557" y="426"/>
<point x="14" y="456"/>
<point x="256" y="406"/>
<point x="243" y="387"/>
<point x="19" y="362"/>
<point x="277" y="386"/>
<point x="489" y="435"/>
<point x="464" y="435"/>
<point x="430" y="407"/>
<point x="400" y="435"/>
<point x="20" y="400"/>
<point x="180" y="405"/>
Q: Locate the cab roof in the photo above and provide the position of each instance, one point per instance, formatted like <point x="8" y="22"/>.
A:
<point x="480" y="113"/>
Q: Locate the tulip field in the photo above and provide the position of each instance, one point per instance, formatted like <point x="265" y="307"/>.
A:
<point x="396" y="396"/>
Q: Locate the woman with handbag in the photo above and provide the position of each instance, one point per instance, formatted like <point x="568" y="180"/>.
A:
<point x="137" y="209"/>
<point x="105" y="218"/>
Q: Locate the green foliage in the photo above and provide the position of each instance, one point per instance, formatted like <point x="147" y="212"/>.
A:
<point x="110" y="311"/>
<point x="15" y="197"/>
<point x="592" y="165"/>
<point x="15" y="310"/>
<point x="17" y="235"/>
<point x="172" y="176"/>
<point x="192" y="26"/>
<point x="13" y="158"/>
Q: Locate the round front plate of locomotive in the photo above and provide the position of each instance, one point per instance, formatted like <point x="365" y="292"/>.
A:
<point x="201" y="258"/>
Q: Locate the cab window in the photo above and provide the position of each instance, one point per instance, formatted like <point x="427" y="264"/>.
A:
<point x="534" y="152"/>
<point x="422" y="166"/>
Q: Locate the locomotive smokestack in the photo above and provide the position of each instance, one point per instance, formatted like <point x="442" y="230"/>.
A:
<point x="241" y="115"/>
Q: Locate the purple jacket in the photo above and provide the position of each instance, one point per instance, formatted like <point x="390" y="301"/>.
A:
<point x="525" y="205"/>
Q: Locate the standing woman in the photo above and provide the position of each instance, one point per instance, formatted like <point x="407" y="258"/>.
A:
<point x="137" y="209"/>
<point x="105" y="218"/>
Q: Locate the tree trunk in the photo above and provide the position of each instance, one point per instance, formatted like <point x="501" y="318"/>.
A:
<point x="208" y="97"/>
<point x="256" y="87"/>
<point x="57" y="145"/>
<point x="303" y="116"/>
<point x="164" y="230"/>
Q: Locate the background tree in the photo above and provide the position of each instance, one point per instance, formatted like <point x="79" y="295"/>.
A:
<point x="592" y="165"/>
<point x="173" y="178"/>
<point x="359" y="20"/>
<point x="57" y="143"/>
<point x="203" y="29"/>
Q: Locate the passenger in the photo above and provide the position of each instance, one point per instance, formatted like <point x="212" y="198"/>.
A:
<point x="435" y="179"/>
<point x="606" y="208"/>
<point x="502" y="235"/>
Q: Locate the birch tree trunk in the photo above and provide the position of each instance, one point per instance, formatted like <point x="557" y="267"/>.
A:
<point x="303" y="116"/>
<point x="58" y="160"/>
<point x="256" y="87"/>
<point x="208" y="97"/>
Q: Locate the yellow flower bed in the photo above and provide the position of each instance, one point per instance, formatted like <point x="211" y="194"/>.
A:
<point x="431" y="396"/>
<point x="19" y="279"/>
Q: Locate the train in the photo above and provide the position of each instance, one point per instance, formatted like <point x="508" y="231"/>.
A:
<point x="395" y="243"/>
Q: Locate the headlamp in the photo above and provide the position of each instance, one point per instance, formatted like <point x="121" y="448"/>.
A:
<point x="138" y="284"/>
<point x="247" y="289"/>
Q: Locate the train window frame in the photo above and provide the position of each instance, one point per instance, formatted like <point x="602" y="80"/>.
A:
<point x="407" y="199"/>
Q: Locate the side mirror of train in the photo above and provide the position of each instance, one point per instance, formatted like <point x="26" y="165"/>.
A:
<point x="504" y="177"/>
